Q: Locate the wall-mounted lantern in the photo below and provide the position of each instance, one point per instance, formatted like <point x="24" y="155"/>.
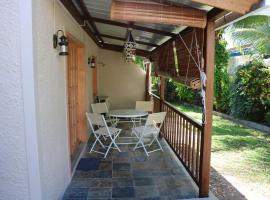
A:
<point x="62" y="42"/>
<point x="92" y="61"/>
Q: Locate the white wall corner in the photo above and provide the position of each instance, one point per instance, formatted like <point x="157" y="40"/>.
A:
<point x="28" y="87"/>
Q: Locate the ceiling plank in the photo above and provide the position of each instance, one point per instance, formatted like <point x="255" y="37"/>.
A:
<point x="153" y="13"/>
<point x="124" y="39"/>
<point x="133" y="26"/>
<point x="119" y="48"/>
<point x="239" y="6"/>
<point x="89" y="18"/>
<point x="76" y="15"/>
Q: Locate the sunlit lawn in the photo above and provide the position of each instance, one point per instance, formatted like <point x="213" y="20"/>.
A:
<point x="238" y="151"/>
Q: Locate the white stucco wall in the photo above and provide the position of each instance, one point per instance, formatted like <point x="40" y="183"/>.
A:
<point x="50" y="74"/>
<point x="13" y="159"/>
<point x="123" y="83"/>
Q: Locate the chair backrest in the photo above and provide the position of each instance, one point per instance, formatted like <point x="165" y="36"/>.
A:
<point x="155" y="119"/>
<point x="146" y="106"/>
<point x="97" y="120"/>
<point x="99" y="108"/>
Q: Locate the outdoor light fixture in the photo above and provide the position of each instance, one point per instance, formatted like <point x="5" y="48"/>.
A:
<point x="62" y="42"/>
<point x="92" y="62"/>
<point x="129" y="47"/>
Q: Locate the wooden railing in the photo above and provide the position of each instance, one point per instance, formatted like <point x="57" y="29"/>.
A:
<point x="184" y="135"/>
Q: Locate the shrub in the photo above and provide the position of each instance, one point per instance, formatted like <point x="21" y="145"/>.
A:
<point x="184" y="93"/>
<point x="267" y="118"/>
<point x="251" y="92"/>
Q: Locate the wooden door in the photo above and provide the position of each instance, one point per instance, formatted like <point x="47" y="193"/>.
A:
<point x="76" y="94"/>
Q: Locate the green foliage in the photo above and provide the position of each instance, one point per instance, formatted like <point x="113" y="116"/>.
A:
<point x="184" y="93"/>
<point x="222" y="81"/>
<point x="267" y="118"/>
<point x="170" y="94"/>
<point x="251" y="92"/>
<point x="155" y="84"/>
<point x="253" y="30"/>
<point x="139" y="61"/>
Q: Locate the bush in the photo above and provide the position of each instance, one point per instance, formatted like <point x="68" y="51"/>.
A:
<point x="170" y="94"/>
<point x="251" y="92"/>
<point x="267" y="118"/>
<point x="184" y="93"/>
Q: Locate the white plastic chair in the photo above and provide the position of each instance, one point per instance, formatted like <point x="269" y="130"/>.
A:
<point x="98" y="120"/>
<point x="145" y="106"/>
<point x="102" y="108"/>
<point x="151" y="128"/>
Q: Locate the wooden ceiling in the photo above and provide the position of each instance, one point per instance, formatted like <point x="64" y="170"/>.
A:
<point x="82" y="14"/>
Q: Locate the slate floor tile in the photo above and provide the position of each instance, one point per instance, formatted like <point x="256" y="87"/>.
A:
<point x="99" y="193"/>
<point x="117" y="166"/>
<point x="146" y="192"/>
<point x="120" y="192"/>
<point x="76" y="193"/>
<point x="143" y="181"/>
<point x="121" y="174"/>
<point x="122" y="182"/>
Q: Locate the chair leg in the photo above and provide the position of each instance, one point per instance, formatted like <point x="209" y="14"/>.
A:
<point x="156" y="139"/>
<point x="97" y="140"/>
<point x="108" y="150"/>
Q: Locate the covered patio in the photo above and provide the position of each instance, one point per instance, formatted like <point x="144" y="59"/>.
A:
<point x="177" y="41"/>
<point x="47" y="90"/>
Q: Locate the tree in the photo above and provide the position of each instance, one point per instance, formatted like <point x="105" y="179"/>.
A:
<point x="253" y="31"/>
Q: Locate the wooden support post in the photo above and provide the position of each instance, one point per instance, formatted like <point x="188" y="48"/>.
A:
<point x="207" y="127"/>
<point x="161" y="92"/>
<point x="147" y="80"/>
<point x="162" y="88"/>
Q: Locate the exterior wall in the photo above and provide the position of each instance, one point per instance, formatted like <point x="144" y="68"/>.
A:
<point x="123" y="83"/>
<point x="50" y="74"/>
<point x="14" y="181"/>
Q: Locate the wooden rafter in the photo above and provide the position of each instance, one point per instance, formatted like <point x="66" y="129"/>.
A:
<point x="154" y="13"/>
<point x="119" y="48"/>
<point x="89" y="18"/>
<point x="124" y="39"/>
<point x="77" y="16"/>
<point x="133" y="26"/>
<point x="239" y="6"/>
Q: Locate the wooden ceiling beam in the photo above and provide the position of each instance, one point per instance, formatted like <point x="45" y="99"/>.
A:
<point x="133" y="26"/>
<point x="154" y="13"/>
<point x="239" y="6"/>
<point x="89" y="18"/>
<point x="119" y="48"/>
<point x="77" y="16"/>
<point x="124" y="39"/>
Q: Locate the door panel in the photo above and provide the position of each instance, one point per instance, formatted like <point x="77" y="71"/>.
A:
<point x="76" y="95"/>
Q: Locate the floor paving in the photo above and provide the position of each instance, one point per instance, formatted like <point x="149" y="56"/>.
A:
<point x="129" y="175"/>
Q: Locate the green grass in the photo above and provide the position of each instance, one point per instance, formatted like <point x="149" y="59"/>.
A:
<point x="238" y="151"/>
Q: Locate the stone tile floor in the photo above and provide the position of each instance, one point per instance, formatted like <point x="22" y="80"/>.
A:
<point x="131" y="175"/>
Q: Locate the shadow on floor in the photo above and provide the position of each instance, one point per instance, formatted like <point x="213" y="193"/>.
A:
<point x="130" y="175"/>
<point x="223" y="189"/>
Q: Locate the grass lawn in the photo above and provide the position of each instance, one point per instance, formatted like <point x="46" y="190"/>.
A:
<point x="238" y="151"/>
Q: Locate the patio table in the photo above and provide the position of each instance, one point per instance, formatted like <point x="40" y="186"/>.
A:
<point x="122" y="114"/>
